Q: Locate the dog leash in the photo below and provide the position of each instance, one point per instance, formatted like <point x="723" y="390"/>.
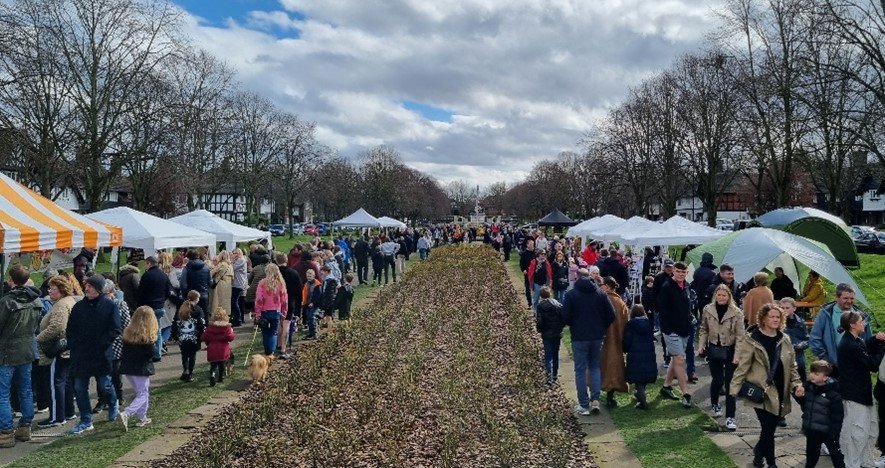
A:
<point x="251" y="347"/>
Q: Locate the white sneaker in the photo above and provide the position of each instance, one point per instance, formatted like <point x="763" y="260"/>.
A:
<point x="730" y="424"/>
<point x="824" y="450"/>
<point x="581" y="410"/>
<point x="143" y="422"/>
<point x="880" y="463"/>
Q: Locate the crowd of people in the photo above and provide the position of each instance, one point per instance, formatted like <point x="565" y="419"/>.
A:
<point x="750" y="334"/>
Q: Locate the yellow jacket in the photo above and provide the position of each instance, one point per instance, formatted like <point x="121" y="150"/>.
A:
<point x="813" y="293"/>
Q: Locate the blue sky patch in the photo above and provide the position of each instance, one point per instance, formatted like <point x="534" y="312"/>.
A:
<point x="217" y="12"/>
<point x="428" y="112"/>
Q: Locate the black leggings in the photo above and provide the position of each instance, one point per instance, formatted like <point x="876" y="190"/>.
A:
<point x="765" y="447"/>
<point x="722" y="372"/>
<point x="376" y="274"/>
<point x="188" y="356"/>
<point x="389" y="264"/>
<point x="217" y="368"/>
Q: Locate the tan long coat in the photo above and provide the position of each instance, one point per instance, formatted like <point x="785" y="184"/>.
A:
<point x="611" y="362"/>
<point x="220" y="296"/>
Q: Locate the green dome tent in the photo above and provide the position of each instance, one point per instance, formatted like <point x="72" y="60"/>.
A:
<point x="816" y="225"/>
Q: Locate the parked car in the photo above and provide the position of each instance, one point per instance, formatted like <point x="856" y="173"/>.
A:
<point x="324" y="228"/>
<point x="311" y="229"/>
<point x="857" y="231"/>
<point x="298" y="228"/>
<point x="277" y="229"/>
<point x="724" y="224"/>
<point x="871" y="242"/>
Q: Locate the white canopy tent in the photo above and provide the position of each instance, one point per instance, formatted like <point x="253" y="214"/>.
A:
<point x="675" y="231"/>
<point x="593" y="226"/>
<point x="224" y="230"/>
<point x="617" y="233"/>
<point x="150" y="233"/>
<point x="359" y="218"/>
<point x="391" y="223"/>
<point x="752" y="250"/>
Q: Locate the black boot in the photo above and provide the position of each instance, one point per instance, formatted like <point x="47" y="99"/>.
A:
<point x="212" y="379"/>
<point x="640" y="397"/>
<point x="610" y="400"/>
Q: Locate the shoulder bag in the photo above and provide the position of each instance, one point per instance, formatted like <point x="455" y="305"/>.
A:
<point x="756" y="393"/>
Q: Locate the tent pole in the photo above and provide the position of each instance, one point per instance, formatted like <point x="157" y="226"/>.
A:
<point x="2" y="268"/>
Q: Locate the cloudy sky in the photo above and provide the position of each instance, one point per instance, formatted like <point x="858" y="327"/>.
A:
<point x="476" y="90"/>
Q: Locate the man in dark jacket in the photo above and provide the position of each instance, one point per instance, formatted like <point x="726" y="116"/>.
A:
<point x="588" y="312"/>
<point x="361" y="254"/>
<point x="153" y="290"/>
<point x="726" y="277"/>
<point x="293" y="287"/>
<point x="19" y="315"/>
<point x="674" y="309"/>
<point x="702" y="279"/>
<point x="93" y="326"/>
<point x="525" y="259"/>
<point x="610" y="266"/>
<point x="196" y="277"/>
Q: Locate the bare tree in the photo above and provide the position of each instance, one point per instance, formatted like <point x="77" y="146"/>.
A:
<point x="380" y="170"/>
<point x="299" y="160"/>
<point x="462" y="196"/>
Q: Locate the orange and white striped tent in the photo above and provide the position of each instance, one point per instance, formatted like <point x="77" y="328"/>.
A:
<point x="30" y="222"/>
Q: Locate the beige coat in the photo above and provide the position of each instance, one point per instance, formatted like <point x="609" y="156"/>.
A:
<point x="220" y="295"/>
<point x="611" y="361"/>
<point x="754" y="300"/>
<point x="753" y="368"/>
<point x="53" y="326"/>
<point x="726" y="333"/>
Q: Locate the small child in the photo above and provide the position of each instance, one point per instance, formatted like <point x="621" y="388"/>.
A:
<point x="377" y="265"/>
<point x="798" y="333"/>
<point x="549" y="323"/>
<point x="218" y="336"/>
<point x="311" y="295"/>
<point x="137" y="363"/>
<point x="822" y="415"/>
<point x="572" y="272"/>
<point x="190" y="327"/>
<point x="330" y="289"/>
<point x="344" y="299"/>
<point x="639" y="344"/>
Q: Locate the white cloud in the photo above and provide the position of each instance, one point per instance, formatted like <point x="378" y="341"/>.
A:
<point x="525" y="78"/>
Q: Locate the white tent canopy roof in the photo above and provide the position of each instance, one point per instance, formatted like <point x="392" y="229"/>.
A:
<point x="150" y="233"/>
<point x="595" y="226"/>
<point x="616" y="233"/>
<point x="391" y="223"/>
<point x="224" y="230"/>
<point x="359" y="218"/>
<point x="756" y="249"/>
<point x="675" y="231"/>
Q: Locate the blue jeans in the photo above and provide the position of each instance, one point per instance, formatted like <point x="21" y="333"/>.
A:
<point x="166" y="333"/>
<point x="559" y="295"/>
<point x="423" y="253"/>
<point x="551" y="358"/>
<point x="311" y="317"/>
<point x="536" y="293"/>
<point x="22" y="375"/>
<point x="587" y="357"/>
<point x="158" y="345"/>
<point x="269" y="334"/>
<point x="689" y="352"/>
<point x="81" y="389"/>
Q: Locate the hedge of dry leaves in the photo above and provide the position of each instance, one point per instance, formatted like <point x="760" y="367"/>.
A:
<point x="442" y="369"/>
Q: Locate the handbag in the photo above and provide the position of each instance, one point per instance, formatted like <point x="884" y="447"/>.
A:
<point x="756" y="393"/>
<point x="54" y="349"/>
<point x="716" y="352"/>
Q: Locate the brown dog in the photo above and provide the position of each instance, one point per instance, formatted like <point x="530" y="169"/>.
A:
<point x="258" y="367"/>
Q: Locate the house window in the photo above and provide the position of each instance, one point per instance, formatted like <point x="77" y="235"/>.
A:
<point x="874" y="195"/>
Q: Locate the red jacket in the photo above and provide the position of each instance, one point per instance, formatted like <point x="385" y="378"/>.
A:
<point x="531" y="272"/>
<point x="218" y="336"/>
<point x="590" y="256"/>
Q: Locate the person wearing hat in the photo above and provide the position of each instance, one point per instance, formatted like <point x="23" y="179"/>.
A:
<point x="153" y="290"/>
<point x="93" y="326"/>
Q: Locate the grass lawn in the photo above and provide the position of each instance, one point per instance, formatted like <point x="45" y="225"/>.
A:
<point x="108" y="441"/>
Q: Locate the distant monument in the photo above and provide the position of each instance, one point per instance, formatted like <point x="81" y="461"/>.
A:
<point x="478" y="216"/>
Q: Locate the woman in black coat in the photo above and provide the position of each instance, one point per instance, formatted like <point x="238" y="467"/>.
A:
<point x="639" y="344"/>
<point x="560" y="276"/>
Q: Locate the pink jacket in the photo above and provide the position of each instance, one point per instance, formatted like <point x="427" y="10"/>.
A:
<point x="266" y="300"/>
<point x="573" y="272"/>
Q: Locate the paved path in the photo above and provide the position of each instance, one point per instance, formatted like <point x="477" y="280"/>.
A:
<point x="169" y="369"/>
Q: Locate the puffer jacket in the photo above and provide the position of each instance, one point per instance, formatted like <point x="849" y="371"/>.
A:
<point x="217" y="337"/>
<point x="729" y="332"/>
<point x="137" y="359"/>
<point x="753" y="368"/>
<point x="130" y="278"/>
<point x="548" y="318"/>
<point x="52" y="327"/>
<point x="822" y="410"/>
<point x="20" y="312"/>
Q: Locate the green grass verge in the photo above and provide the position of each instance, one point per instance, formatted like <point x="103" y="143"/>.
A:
<point x="108" y="442"/>
<point x="667" y="435"/>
